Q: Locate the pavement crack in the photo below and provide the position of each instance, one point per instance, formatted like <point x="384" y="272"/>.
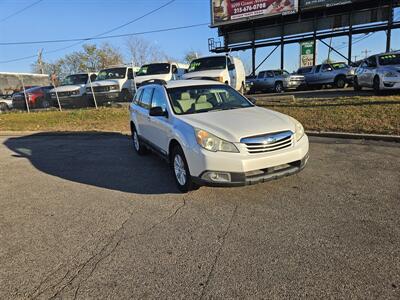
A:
<point x="218" y="253"/>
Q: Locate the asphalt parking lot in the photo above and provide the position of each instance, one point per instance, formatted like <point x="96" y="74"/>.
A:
<point x="84" y="217"/>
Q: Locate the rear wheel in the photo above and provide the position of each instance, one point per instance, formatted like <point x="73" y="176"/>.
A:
<point x="3" y="107"/>
<point x="180" y="170"/>
<point x="278" y="88"/>
<point x="377" y="86"/>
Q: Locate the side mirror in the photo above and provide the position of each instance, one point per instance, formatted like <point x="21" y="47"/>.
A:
<point x="252" y="100"/>
<point x="231" y="67"/>
<point x="157" y="112"/>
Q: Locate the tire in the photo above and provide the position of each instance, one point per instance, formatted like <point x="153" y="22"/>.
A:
<point x="137" y="144"/>
<point x="3" y="107"/>
<point x="278" y="88"/>
<point x="340" y="82"/>
<point x="356" y="86"/>
<point x="376" y="86"/>
<point x="125" y="96"/>
<point x="180" y="171"/>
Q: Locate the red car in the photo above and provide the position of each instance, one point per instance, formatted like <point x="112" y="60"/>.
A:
<point x="38" y="97"/>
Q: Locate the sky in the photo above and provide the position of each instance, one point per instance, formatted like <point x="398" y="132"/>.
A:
<point x="65" y="19"/>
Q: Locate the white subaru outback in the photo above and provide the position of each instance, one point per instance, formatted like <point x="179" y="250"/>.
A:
<point x="212" y="135"/>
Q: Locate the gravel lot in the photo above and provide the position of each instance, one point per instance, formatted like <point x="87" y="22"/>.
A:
<point x="84" y="217"/>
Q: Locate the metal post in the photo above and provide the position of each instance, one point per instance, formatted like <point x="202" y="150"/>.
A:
<point x="315" y="44"/>
<point x="55" y="89"/>
<point x="26" y="98"/>
<point x="349" y="53"/>
<point x="253" y="60"/>
<point x="389" y="30"/>
<point x="282" y="54"/>
<point x="91" y="88"/>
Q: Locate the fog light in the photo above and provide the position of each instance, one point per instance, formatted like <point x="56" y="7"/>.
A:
<point x="217" y="177"/>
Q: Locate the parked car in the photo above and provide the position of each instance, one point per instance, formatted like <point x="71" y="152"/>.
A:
<point x="334" y="74"/>
<point x="38" y="97"/>
<point x="161" y="71"/>
<point x="223" y="68"/>
<point x="277" y="81"/>
<point x="212" y="135"/>
<point x="113" y="84"/>
<point x="5" y="104"/>
<point x="72" y="90"/>
<point x="249" y="83"/>
<point x="380" y="72"/>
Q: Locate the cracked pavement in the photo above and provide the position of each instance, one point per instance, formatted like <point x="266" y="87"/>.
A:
<point x="83" y="217"/>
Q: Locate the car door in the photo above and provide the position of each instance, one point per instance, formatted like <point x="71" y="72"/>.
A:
<point x="259" y="81"/>
<point x="270" y="80"/>
<point x="361" y="73"/>
<point x="326" y="74"/>
<point x="314" y="76"/>
<point x="142" y="112"/>
<point x="370" y="71"/>
<point x="159" y="128"/>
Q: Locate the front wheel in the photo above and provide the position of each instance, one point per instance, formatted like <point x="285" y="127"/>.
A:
<point x="340" y="82"/>
<point x="278" y="88"/>
<point x="356" y="85"/>
<point x="137" y="144"/>
<point x="377" y="86"/>
<point x="180" y="170"/>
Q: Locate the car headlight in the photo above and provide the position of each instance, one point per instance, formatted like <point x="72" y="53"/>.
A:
<point x="114" y="87"/>
<point x="75" y="93"/>
<point x="390" y="74"/>
<point x="212" y="143"/>
<point x="220" y="79"/>
<point x="299" y="129"/>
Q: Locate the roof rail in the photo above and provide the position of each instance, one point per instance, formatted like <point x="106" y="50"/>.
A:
<point x="153" y="81"/>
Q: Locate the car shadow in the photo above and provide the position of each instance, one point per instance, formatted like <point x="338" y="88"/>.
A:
<point x="103" y="160"/>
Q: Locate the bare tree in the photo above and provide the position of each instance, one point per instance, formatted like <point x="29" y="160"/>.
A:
<point x="190" y="55"/>
<point x="143" y="52"/>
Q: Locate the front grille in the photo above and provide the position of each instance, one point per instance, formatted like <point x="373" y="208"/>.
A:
<point x="268" y="142"/>
<point x="101" y="89"/>
<point x="63" y="94"/>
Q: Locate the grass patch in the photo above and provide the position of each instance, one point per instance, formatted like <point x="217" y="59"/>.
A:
<point x="357" y="114"/>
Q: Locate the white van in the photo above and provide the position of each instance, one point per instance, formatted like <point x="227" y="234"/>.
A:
<point x="164" y="71"/>
<point x="72" y="90"/>
<point x="223" y="68"/>
<point x="113" y="84"/>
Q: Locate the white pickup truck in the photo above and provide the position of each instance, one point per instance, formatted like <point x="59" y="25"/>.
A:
<point x="160" y="71"/>
<point x="72" y="91"/>
<point x="223" y="68"/>
<point x="114" y="84"/>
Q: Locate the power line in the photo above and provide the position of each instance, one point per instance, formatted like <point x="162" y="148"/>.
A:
<point x="96" y="36"/>
<point x="114" y="36"/>
<point x="20" y="11"/>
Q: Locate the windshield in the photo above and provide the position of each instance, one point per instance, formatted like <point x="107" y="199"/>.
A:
<point x="338" y="66"/>
<point x="154" y="69"/>
<point x="114" y="73"/>
<point x="208" y="63"/>
<point x="389" y="59"/>
<point x="205" y="98"/>
<point x="280" y="72"/>
<point x="75" y="79"/>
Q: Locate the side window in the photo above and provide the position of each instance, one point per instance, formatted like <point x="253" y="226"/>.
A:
<point x="261" y="75"/>
<point x="318" y="69"/>
<point x="231" y="65"/>
<point x="130" y="74"/>
<point x="159" y="99"/>
<point x="326" y="68"/>
<point x="146" y="98"/>
<point x="93" y="77"/>
<point x="137" y="96"/>
<point x="270" y="74"/>
<point x="371" y="61"/>
<point x="174" y="69"/>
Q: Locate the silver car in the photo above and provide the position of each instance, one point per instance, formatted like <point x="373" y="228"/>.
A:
<point x="333" y="74"/>
<point x="380" y="72"/>
<point x="277" y="81"/>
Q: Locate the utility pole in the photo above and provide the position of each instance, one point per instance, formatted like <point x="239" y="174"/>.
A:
<point x="355" y="58"/>
<point x="366" y="51"/>
<point x="40" y="61"/>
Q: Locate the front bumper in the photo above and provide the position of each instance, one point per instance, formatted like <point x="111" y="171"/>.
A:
<point x="106" y="97"/>
<point x="390" y="83"/>
<point x="244" y="168"/>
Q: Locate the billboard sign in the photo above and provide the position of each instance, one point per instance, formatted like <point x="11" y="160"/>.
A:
<point x="309" y="4"/>
<point x="230" y="11"/>
<point x="306" y="54"/>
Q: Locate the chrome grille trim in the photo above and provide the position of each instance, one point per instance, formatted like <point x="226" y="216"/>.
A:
<point x="268" y="142"/>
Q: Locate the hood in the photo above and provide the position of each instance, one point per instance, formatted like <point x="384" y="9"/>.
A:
<point x="106" y="82"/>
<point x="67" y="88"/>
<point x="232" y="125"/>
<point x="205" y="73"/>
<point x="140" y="79"/>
